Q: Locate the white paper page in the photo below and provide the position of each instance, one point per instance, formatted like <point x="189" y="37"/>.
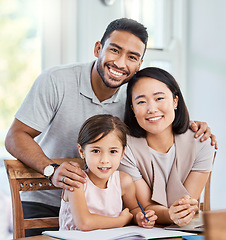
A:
<point x="117" y="233"/>
<point x="158" y="232"/>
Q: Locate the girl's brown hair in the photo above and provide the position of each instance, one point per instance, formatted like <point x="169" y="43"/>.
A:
<point x="98" y="126"/>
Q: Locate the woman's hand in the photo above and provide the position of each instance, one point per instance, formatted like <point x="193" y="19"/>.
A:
<point x="142" y="221"/>
<point x="183" y="210"/>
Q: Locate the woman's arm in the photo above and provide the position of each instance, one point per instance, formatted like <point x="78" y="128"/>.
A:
<point x="179" y="208"/>
<point x="182" y="210"/>
<point x="143" y="193"/>
<point x="195" y="183"/>
<point x="87" y="221"/>
<point x="130" y="201"/>
<point x="165" y="215"/>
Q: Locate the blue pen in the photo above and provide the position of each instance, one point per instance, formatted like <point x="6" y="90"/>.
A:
<point x="143" y="211"/>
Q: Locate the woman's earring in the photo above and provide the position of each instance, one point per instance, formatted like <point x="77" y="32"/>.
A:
<point x="175" y="108"/>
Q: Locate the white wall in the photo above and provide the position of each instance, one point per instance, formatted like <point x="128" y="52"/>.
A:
<point x="93" y="18"/>
<point x="207" y="80"/>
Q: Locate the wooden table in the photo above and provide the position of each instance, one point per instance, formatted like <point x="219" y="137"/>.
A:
<point x="39" y="237"/>
<point x="44" y="237"/>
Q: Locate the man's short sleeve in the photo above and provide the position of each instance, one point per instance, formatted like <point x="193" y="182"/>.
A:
<point x="40" y="104"/>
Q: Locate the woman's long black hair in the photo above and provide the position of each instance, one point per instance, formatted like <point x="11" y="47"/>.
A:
<point x="181" y="121"/>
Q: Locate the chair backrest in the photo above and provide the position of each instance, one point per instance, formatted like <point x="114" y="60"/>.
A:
<point x="215" y="225"/>
<point x="23" y="178"/>
<point x="205" y="205"/>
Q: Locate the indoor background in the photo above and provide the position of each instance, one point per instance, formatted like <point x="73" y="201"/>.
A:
<point x="186" y="37"/>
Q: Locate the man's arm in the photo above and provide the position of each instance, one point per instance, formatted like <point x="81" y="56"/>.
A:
<point x="20" y="143"/>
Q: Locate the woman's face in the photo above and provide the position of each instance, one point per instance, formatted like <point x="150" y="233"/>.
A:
<point x="153" y="105"/>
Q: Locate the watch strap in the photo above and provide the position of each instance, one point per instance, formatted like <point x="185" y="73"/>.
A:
<point x="55" y="165"/>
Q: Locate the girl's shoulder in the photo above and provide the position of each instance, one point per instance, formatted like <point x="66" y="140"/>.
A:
<point x="125" y="180"/>
<point x="67" y="194"/>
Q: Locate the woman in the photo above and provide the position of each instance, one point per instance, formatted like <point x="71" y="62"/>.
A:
<point x="169" y="166"/>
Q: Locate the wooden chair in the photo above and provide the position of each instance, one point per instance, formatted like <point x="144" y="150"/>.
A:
<point x="215" y="225"/>
<point x="205" y="205"/>
<point x="24" y="178"/>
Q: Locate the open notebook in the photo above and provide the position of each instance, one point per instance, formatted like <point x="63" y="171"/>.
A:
<point x="130" y="232"/>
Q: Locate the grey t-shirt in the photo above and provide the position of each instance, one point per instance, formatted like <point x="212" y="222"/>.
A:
<point x="60" y="100"/>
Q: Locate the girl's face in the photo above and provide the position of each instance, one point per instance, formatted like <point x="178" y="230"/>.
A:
<point x="153" y="106"/>
<point x="102" y="158"/>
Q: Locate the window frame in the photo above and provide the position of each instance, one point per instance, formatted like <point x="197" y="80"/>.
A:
<point x="175" y="51"/>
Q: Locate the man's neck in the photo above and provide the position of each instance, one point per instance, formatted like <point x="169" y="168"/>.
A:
<point x="101" y="91"/>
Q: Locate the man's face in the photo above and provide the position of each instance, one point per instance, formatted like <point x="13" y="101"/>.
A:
<point x="119" y="58"/>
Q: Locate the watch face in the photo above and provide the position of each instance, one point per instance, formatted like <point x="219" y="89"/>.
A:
<point x="48" y="171"/>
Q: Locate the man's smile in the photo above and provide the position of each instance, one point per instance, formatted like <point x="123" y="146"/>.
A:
<point x="115" y="72"/>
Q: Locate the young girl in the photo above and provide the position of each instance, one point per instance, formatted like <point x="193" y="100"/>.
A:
<point x="99" y="202"/>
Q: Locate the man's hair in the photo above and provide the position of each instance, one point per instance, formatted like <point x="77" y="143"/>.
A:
<point x="128" y="25"/>
<point x="181" y="121"/>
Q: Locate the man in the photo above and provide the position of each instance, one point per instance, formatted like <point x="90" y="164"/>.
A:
<point x="47" y="124"/>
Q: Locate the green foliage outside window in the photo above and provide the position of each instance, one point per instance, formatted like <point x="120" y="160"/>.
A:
<point x="20" y="56"/>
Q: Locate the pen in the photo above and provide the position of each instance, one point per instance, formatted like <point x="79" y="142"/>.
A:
<point x="143" y="211"/>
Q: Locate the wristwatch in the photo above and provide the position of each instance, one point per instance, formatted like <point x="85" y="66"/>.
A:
<point x="49" y="170"/>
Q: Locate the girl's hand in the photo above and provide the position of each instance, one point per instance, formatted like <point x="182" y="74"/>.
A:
<point x="126" y="215"/>
<point x="183" y="210"/>
<point x="142" y="221"/>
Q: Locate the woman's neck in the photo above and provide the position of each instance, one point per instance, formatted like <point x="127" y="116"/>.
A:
<point x="160" y="142"/>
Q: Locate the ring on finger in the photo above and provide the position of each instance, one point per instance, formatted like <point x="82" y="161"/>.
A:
<point x="178" y="221"/>
<point x="62" y="179"/>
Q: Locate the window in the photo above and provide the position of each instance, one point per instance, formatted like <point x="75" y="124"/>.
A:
<point x="20" y="57"/>
<point x="166" y="24"/>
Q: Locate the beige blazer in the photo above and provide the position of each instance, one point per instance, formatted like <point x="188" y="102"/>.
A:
<point x="166" y="193"/>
